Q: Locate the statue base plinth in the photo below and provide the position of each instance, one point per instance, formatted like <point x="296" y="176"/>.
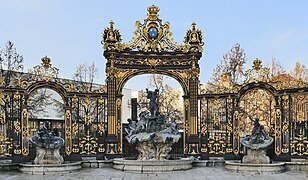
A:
<point x="48" y="156"/>
<point x="256" y="156"/>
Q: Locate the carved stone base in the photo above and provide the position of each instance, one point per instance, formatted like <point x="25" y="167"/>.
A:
<point x="152" y="166"/>
<point x="48" y="156"/>
<point x="256" y="157"/>
<point x="153" y="150"/>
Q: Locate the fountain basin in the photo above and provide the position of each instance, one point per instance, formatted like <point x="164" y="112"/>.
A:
<point x="152" y="166"/>
<point x="239" y="167"/>
<point x="43" y="169"/>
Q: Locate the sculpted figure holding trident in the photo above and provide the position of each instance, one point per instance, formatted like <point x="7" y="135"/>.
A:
<point x="153" y="96"/>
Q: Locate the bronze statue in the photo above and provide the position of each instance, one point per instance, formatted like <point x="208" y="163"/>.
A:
<point x="153" y="96"/>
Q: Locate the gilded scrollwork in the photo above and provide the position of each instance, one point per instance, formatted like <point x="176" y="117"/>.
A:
<point x="299" y="144"/>
<point x="45" y="71"/>
<point x="68" y="132"/>
<point x="88" y="144"/>
<point x="257" y="73"/>
<point x="153" y="36"/>
<point x="6" y="146"/>
<point x="300" y="106"/>
<point x="217" y="144"/>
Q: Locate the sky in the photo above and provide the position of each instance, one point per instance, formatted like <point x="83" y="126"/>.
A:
<point x="69" y="32"/>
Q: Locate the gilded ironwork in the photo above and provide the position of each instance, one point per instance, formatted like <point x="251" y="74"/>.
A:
<point x="299" y="144"/>
<point x="278" y="138"/>
<point x="25" y="132"/>
<point x="5" y="146"/>
<point x="193" y="148"/>
<point x="193" y="40"/>
<point x="45" y="71"/>
<point x="152" y="34"/>
<point x="257" y="73"/>
<point x="88" y="144"/>
<point x="92" y="120"/>
<point x="111" y="37"/>
<point x="217" y="144"/>
<point x="68" y="132"/>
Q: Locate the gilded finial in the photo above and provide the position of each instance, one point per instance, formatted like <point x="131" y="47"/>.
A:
<point x="193" y="24"/>
<point x="193" y="39"/>
<point x="111" y="36"/>
<point x="111" y="24"/>
<point x="46" y="62"/>
<point x="257" y="64"/>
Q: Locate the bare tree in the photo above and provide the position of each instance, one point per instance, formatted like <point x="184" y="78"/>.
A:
<point x="38" y="101"/>
<point x="10" y="61"/>
<point x="276" y="68"/>
<point x="168" y="98"/>
<point x="230" y="69"/>
<point x="85" y="75"/>
<point x="300" y="72"/>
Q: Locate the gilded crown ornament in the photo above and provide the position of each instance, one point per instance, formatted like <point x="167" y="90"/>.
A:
<point x="257" y="64"/>
<point x="46" y="62"/>
<point x="45" y="71"/>
<point x="257" y="73"/>
<point x="153" y="12"/>
<point x="152" y="35"/>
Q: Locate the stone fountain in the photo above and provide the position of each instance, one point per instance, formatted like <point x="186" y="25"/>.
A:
<point x="257" y="143"/>
<point x="154" y="139"/>
<point x="48" y="144"/>
<point x="256" y="161"/>
<point x="48" y="158"/>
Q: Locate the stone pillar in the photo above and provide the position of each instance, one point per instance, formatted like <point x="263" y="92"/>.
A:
<point x="134" y="108"/>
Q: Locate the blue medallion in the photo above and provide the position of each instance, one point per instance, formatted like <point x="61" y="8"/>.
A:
<point x="153" y="32"/>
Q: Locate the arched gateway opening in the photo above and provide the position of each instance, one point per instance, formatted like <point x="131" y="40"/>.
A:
<point x="152" y="51"/>
<point x="135" y="102"/>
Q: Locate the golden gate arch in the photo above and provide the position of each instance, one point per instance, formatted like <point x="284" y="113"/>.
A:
<point x="152" y="50"/>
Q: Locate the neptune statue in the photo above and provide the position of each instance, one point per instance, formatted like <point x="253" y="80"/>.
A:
<point x="152" y="135"/>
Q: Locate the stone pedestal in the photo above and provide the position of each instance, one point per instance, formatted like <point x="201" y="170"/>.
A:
<point x="48" y="156"/>
<point x="256" y="156"/>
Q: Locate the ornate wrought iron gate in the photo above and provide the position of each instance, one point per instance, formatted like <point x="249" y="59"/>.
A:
<point x="83" y="124"/>
<point x="214" y="122"/>
<point x="282" y="110"/>
<point x="152" y="50"/>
